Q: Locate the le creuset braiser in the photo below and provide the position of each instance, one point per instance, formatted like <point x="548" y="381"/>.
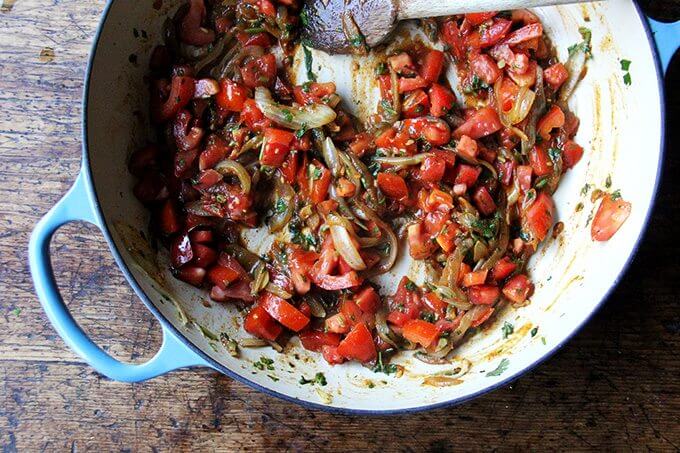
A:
<point x="621" y="130"/>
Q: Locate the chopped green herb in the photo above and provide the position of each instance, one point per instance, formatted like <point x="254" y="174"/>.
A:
<point x="487" y="227"/>
<point x="220" y="198"/>
<point x="287" y="115"/>
<point x="534" y="331"/>
<point x="272" y="377"/>
<point x="309" y="63"/>
<point x="314" y="172"/>
<point x="627" y="79"/>
<point x="411" y="286"/>
<point x="387" y="368"/>
<point x="16" y="311"/>
<point x="300" y="132"/>
<point x="207" y="333"/>
<point x="554" y="154"/>
<point x="387" y="107"/>
<point x="230" y="345"/>
<point x="307" y="86"/>
<point x="507" y="329"/>
<point x="264" y="363"/>
<point x="500" y="369"/>
<point x="428" y="316"/>
<point x="585" y="189"/>
<point x="541" y="182"/>
<point x="608" y="182"/>
<point x="474" y="85"/>
<point x="304" y="20"/>
<point x="616" y="195"/>
<point x="584" y="45"/>
<point x="357" y="41"/>
<point x="381" y="68"/>
<point x="579" y="207"/>
<point x="625" y="64"/>
<point x="543" y="340"/>
<point x="281" y="206"/>
<point x="319" y="379"/>
<point x="254" y="30"/>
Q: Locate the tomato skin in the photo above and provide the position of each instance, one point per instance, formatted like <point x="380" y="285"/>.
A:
<point x="435" y="304"/>
<point x="257" y="39"/>
<point x="523" y="173"/>
<point x="367" y="300"/>
<point x="283" y="312"/>
<point x="502" y="269"/>
<point x="467" y="147"/>
<point x="253" y="117"/>
<point x="483" y="317"/>
<point x="484" y="294"/>
<point x="572" y="153"/>
<point x="232" y="96"/>
<point x="216" y="150"/>
<point x="538" y="218"/>
<point x="479" y="18"/>
<point x="609" y="217"/>
<point x="319" y="187"/>
<point x="432" y="169"/>
<point x="524" y="34"/>
<point x="410" y="84"/>
<point x="441" y="100"/>
<point x="447" y="237"/>
<point x="556" y="75"/>
<point x="392" y="185"/>
<point x="524" y="77"/>
<point x="331" y="355"/>
<point x="421" y="332"/>
<point x="313" y="340"/>
<point x="489" y="36"/>
<point x="402" y="64"/>
<point x="419" y="244"/>
<point x="190" y="30"/>
<point x="358" y="345"/>
<point x="398" y="318"/>
<point x="484" y="201"/>
<point x="259" y="71"/>
<point x="475" y="278"/>
<point x="337" y="324"/>
<point x="416" y="104"/>
<point x="539" y="160"/>
<point x="518" y="288"/>
<point x="485" y="68"/>
<point x="483" y="122"/>
<point x="434" y="130"/>
<point x="433" y="63"/>
<point x="553" y="119"/>
<point x="467" y="174"/>
<point x="204" y="256"/>
<point x="181" y="93"/>
<point x="168" y="218"/>
<point x="259" y="323"/>
<point x="450" y="35"/>
<point x="277" y="146"/>
<point x="192" y="275"/>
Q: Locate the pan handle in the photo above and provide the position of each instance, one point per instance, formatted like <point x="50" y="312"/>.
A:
<point x="667" y="39"/>
<point x="76" y="205"/>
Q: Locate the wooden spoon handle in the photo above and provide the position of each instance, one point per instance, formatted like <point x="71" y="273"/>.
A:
<point x="416" y="9"/>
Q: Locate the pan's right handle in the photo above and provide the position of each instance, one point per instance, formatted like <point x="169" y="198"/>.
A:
<point x="667" y="39"/>
<point x="77" y="205"/>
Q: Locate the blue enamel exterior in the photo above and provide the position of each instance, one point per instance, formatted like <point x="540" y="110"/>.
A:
<point x="81" y="203"/>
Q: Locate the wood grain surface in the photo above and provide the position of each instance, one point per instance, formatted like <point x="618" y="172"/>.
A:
<point x="615" y="386"/>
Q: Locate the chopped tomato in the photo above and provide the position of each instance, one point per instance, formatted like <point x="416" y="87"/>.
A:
<point x="489" y="35"/>
<point x="181" y="93"/>
<point x="517" y="289"/>
<point x="204" y="256"/>
<point x="283" y="312"/>
<point x="192" y="275"/>
<point x="402" y="64"/>
<point x="523" y="76"/>
<point x="538" y="218"/>
<point x="483" y="122"/>
<point x="259" y="71"/>
<point x="441" y="100"/>
<point x="258" y="39"/>
<point x="337" y="324"/>
<point x="432" y="169"/>
<point x="313" y="340"/>
<point x="169" y="221"/>
<point x="551" y="120"/>
<point x="319" y="181"/>
<point x="524" y="175"/>
<point x="503" y="268"/>
<point x="434" y="130"/>
<point x="398" y="318"/>
<point x="539" y="160"/>
<point x="446" y="238"/>
<point x="253" y="117"/>
<point x="419" y="244"/>
<point x="484" y="294"/>
<point x="392" y="185"/>
<point x="479" y="18"/>
<point x="467" y="174"/>
<point x="483" y="316"/>
<point x="556" y="75"/>
<point x="421" y="332"/>
<point x="358" y="345"/>
<point x="415" y="104"/>
<point x="611" y="214"/>
<point x="451" y="36"/>
<point x="361" y="143"/>
<point x="232" y="96"/>
<point x="485" y="68"/>
<point x="467" y="147"/>
<point x="526" y="33"/>
<point x="300" y="262"/>
<point x="410" y="84"/>
<point x="433" y="63"/>
<point x="277" y="146"/>
<point x="367" y="300"/>
<point x="475" y="278"/>
<point x="435" y="304"/>
<point x="331" y="355"/>
<point x="191" y="30"/>
<point x="572" y="153"/>
<point x="259" y="323"/>
<point x="289" y="168"/>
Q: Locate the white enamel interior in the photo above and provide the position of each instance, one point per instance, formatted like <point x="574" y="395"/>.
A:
<point x="620" y="131"/>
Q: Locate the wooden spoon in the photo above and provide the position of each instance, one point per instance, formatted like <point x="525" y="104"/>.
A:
<point x="327" y="24"/>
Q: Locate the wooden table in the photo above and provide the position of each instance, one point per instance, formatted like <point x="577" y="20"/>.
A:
<point x="615" y="386"/>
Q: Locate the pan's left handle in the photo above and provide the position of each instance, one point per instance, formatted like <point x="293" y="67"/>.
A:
<point x="667" y="39"/>
<point x="76" y="205"/>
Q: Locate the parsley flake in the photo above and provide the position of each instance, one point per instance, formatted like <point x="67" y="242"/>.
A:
<point x="500" y="369"/>
<point x="507" y="329"/>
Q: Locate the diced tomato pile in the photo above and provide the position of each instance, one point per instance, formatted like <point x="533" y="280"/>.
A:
<point x="470" y="179"/>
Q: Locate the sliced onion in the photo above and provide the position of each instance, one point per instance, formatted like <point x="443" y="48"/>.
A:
<point x="346" y="248"/>
<point x="575" y="66"/>
<point x="535" y="114"/>
<point x="215" y="52"/>
<point x="370" y="241"/>
<point x="503" y="238"/>
<point x="330" y="155"/>
<point x="247" y="259"/>
<point x="520" y="108"/>
<point x="366" y="180"/>
<point x="383" y="329"/>
<point x="365" y="213"/>
<point x="228" y="166"/>
<point x="278" y="291"/>
<point x="316" y="307"/>
<point x="260" y="278"/>
<point x="403" y="161"/>
<point x="451" y="270"/>
<point x="452" y="297"/>
<point x="309" y="116"/>
<point x="475" y="161"/>
<point x="396" y="98"/>
<point x="465" y="322"/>
<point x="284" y="192"/>
<point x="253" y="343"/>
